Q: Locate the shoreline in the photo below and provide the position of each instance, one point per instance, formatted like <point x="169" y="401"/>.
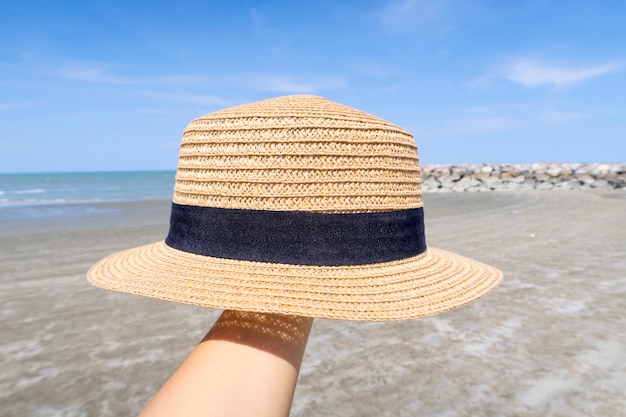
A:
<point x="63" y="217"/>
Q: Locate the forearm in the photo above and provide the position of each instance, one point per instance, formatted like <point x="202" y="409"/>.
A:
<point x="246" y="365"/>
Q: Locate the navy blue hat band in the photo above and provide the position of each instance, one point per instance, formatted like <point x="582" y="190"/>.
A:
<point x="297" y="237"/>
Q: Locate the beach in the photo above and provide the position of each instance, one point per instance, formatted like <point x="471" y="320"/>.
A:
<point x="549" y="341"/>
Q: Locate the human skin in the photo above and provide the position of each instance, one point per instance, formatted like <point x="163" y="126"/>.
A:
<point x="247" y="365"/>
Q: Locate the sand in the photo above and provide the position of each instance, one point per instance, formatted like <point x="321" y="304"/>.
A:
<point x="548" y="342"/>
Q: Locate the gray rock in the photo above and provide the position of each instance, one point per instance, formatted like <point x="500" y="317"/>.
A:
<point x="601" y="183"/>
<point x="586" y="179"/>
<point x="554" y="171"/>
<point x="487" y="177"/>
<point x="600" y="170"/>
<point x="544" y="186"/>
<point x="429" y="183"/>
<point x="528" y="185"/>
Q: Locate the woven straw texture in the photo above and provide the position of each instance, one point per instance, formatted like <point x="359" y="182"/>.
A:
<point x="302" y="153"/>
<point x="299" y="153"/>
<point x="428" y="284"/>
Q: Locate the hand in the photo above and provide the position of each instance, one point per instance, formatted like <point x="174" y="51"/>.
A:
<point x="246" y="365"/>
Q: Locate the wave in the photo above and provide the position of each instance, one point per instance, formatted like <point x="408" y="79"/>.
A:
<point x="69" y="188"/>
<point x="5" y="202"/>
<point x="31" y="191"/>
<point x="18" y="212"/>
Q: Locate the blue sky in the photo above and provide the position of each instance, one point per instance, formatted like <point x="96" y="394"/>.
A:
<point x="110" y="85"/>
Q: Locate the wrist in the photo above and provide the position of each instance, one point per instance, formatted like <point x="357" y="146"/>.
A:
<point x="282" y="335"/>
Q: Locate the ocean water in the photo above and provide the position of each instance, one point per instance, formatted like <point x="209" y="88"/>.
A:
<point x="59" y="194"/>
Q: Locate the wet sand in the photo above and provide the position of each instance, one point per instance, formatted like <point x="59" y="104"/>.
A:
<point x="548" y="342"/>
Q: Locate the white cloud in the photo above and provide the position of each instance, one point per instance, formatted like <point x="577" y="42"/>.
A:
<point x="533" y="73"/>
<point x="557" y="117"/>
<point x="510" y="115"/>
<point x="375" y="68"/>
<point x="189" y="98"/>
<point x="404" y="16"/>
<point x="280" y="83"/>
<point x="90" y="73"/>
<point x="289" y="84"/>
<point x="100" y="73"/>
<point x="17" y="105"/>
<point x="267" y="34"/>
<point x="478" y="125"/>
<point x="477" y="109"/>
<point x="515" y="108"/>
<point x="257" y="19"/>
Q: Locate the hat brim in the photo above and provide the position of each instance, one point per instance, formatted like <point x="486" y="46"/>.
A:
<point x="430" y="283"/>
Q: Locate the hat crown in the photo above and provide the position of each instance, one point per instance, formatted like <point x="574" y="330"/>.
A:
<point x="297" y="153"/>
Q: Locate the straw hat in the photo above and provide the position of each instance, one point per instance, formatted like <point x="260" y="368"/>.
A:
<point x="298" y="205"/>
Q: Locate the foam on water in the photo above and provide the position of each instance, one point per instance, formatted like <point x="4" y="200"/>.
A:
<point x="52" y="210"/>
<point x="32" y="191"/>
<point x="33" y="195"/>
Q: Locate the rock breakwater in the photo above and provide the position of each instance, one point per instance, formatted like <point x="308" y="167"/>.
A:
<point x="537" y="176"/>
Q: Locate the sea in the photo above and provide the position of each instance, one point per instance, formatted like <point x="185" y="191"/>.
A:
<point x="37" y="195"/>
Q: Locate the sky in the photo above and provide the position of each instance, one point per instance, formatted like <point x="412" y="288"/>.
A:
<point x="110" y="85"/>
